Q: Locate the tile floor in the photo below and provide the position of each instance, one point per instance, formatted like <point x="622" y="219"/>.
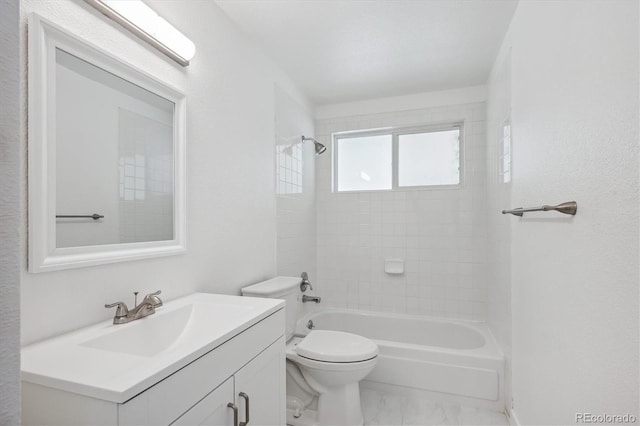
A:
<point x="388" y="409"/>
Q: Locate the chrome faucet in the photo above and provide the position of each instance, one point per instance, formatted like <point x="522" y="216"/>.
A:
<point x="145" y="308"/>
<point x="304" y="285"/>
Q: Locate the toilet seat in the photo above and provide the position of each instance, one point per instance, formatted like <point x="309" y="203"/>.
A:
<point x="336" y="347"/>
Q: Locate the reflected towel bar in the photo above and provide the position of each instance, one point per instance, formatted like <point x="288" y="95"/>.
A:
<point x="570" y="207"/>
<point x="94" y="216"/>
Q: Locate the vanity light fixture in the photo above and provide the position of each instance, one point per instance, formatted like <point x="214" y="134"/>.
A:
<point x="141" y="20"/>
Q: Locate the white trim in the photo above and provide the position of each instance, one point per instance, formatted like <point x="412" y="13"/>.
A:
<point x="465" y="95"/>
<point x="44" y="38"/>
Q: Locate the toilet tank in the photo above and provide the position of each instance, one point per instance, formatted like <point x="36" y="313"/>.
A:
<point x="287" y="288"/>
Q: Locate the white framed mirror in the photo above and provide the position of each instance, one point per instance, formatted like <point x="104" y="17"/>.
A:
<point x="106" y="156"/>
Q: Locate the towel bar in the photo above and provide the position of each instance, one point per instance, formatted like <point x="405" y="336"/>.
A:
<point x="570" y="207"/>
<point x="94" y="216"/>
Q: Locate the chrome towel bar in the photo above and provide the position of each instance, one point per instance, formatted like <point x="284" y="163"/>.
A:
<point x="94" y="216"/>
<point x="570" y="207"/>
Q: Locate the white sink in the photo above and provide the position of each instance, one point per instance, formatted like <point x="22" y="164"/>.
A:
<point x="153" y="334"/>
<point x="116" y="362"/>
<point x="145" y="337"/>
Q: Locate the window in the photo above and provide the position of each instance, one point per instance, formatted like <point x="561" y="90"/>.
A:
<point x="396" y="158"/>
<point x="365" y="163"/>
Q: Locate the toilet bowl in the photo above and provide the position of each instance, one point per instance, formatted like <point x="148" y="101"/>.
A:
<point x="332" y="363"/>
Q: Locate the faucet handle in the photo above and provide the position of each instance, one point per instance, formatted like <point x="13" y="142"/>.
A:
<point x="305" y="282"/>
<point x="122" y="310"/>
<point x="153" y="299"/>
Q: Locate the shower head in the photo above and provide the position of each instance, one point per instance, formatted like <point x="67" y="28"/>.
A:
<point x="319" y="147"/>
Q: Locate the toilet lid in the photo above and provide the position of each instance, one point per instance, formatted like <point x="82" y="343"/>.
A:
<point x="336" y="346"/>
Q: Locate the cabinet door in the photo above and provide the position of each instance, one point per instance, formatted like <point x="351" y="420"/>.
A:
<point x="262" y="380"/>
<point x="212" y="410"/>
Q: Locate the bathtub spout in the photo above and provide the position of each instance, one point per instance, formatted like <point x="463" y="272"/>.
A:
<point x="306" y="299"/>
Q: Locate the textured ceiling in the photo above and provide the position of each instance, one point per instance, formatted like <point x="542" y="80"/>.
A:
<point x="347" y="50"/>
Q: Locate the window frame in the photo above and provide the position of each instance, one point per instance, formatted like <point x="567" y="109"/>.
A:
<point x="395" y="133"/>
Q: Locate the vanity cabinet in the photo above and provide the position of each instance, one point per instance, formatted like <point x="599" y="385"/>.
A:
<point x="212" y="410"/>
<point x="257" y="382"/>
<point x="249" y="366"/>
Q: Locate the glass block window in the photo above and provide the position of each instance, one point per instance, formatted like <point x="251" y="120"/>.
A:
<point x="506" y="152"/>
<point x="289" y="169"/>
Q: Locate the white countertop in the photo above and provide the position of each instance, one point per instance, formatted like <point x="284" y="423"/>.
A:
<point x="94" y="362"/>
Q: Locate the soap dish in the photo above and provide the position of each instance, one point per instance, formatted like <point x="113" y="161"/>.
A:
<point x="394" y="266"/>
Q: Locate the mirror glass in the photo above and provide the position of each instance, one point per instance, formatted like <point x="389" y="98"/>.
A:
<point x="114" y="158"/>
<point x="106" y="156"/>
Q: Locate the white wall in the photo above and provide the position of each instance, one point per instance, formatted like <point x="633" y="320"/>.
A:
<point x="295" y="188"/>
<point x="231" y="218"/>
<point x="440" y="233"/>
<point x="574" y="97"/>
<point x="10" y="217"/>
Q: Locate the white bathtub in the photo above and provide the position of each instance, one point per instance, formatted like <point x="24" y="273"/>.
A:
<point x="453" y="357"/>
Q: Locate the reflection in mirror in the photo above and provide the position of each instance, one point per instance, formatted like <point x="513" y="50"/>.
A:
<point x="114" y="157"/>
<point x="107" y="160"/>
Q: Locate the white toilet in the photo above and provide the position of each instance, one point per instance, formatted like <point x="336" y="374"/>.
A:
<point x="332" y="363"/>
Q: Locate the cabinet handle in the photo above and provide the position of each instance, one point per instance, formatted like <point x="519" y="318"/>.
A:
<point x="235" y="413"/>
<point x="246" y="408"/>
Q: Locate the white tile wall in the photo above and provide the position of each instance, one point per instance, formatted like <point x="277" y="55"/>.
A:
<point x="440" y="233"/>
